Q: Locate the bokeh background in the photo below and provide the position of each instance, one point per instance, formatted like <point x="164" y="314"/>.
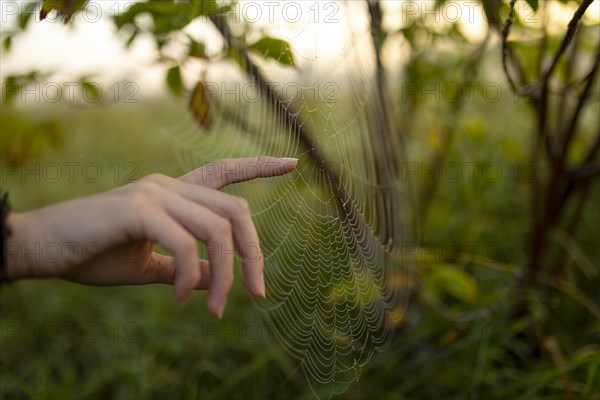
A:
<point x="502" y="288"/>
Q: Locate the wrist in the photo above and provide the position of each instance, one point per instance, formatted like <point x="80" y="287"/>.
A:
<point x="15" y="263"/>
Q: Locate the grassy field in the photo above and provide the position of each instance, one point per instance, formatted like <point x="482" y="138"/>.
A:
<point x="62" y="340"/>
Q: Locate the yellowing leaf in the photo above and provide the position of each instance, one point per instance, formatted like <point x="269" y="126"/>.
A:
<point x="200" y="106"/>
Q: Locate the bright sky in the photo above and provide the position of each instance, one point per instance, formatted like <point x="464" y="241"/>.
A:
<point x="316" y="29"/>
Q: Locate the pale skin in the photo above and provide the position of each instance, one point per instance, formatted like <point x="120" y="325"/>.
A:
<point x="108" y="239"/>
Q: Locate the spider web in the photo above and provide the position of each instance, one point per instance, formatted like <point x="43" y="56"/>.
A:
<point x="335" y="276"/>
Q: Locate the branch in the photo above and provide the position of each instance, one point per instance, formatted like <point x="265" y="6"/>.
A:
<point x="581" y="174"/>
<point x="572" y="28"/>
<point x="545" y="83"/>
<point x="507" y="53"/>
<point x="384" y="143"/>
<point x="571" y="128"/>
<point x="558" y="189"/>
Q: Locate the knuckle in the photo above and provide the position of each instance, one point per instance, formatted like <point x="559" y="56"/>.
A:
<point x="147" y="186"/>
<point x="138" y="200"/>
<point x="221" y="227"/>
<point x="241" y="206"/>
<point x="187" y="244"/>
<point x="156" y="178"/>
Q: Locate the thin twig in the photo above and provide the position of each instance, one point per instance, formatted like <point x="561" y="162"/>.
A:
<point x="508" y="54"/>
<point x="572" y="28"/>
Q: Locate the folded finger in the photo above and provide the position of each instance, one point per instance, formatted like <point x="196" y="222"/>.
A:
<point x="237" y="211"/>
<point x="215" y="231"/>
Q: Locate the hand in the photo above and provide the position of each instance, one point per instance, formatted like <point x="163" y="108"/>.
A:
<point x="108" y="239"/>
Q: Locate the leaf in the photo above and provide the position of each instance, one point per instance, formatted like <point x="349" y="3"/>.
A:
<point x="132" y="38"/>
<point x="91" y="90"/>
<point x="453" y="281"/>
<point x="7" y="42"/>
<point x="174" y="81"/>
<point x="205" y="7"/>
<point x="200" y="106"/>
<point x="65" y="8"/>
<point x="235" y="56"/>
<point x="196" y="49"/>
<point x="25" y="15"/>
<point x="492" y="12"/>
<point x="14" y="83"/>
<point x="170" y="17"/>
<point x="128" y="17"/>
<point x="534" y="4"/>
<point x="10" y="89"/>
<point x="167" y="15"/>
<point x="276" y="49"/>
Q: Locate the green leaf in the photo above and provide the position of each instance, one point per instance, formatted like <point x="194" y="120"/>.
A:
<point x="491" y="9"/>
<point x="25" y="15"/>
<point x="10" y="89"/>
<point x="92" y="90"/>
<point x="13" y="84"/>
<point x="65" y="8"/>
<point x="200" y="106"/>
<point x="174" y="81"/>
<point x="132" y="38"/>
<point x="276" y="49"/>
<point x="167" y="15"/>
<point x="7" y="42"/>
<point x="453" y="281"/>
<point x="534" y="4"/>
<point x="196" y="49"/>
<point x="205" y="7"/>
<point x="235" y="56"/>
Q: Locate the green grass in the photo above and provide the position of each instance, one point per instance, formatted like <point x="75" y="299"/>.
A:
<point x="63" y="340"/>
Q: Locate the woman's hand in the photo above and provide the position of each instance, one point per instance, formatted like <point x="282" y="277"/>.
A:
<point x="108" y="239"/>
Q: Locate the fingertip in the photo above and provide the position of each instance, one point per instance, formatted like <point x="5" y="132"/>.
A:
<point x="185" y="283"/>
<point x="289" y="164"/>
<point x="215" y="306"/>
<point x="262" y="292"/>
<point x="182" y="294"/>
<point x="255" y="287"/>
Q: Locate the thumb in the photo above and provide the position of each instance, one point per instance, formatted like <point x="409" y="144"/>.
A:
<point x="161" y="269"/>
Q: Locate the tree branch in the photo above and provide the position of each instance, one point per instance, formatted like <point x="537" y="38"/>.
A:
<point x="572" y="28"/>
<point x="385" y="162"/>
<point x="508" y="54"/>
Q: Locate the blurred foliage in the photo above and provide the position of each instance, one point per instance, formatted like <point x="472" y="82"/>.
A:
<point x="464" y="334"/>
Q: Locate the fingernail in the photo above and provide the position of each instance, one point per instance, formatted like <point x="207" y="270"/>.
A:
<point x="216" y="309"/>
<point x="261" y="286"/>
<point x="291" y="163"/>
<point x="221" y="311"/>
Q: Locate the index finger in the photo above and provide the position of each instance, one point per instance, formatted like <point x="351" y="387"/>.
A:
<point x="220" y="173"/>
